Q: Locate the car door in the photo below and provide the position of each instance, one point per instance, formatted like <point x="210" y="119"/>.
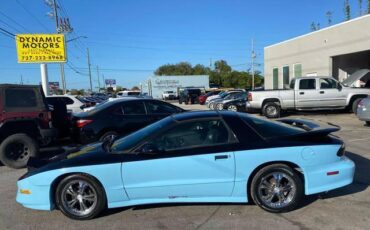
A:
<point x="127" y="117"/>
<point x="157" y="110"/>
<point x="307" y="96"/>
<point x="195" y="160"/>
<point x="330" y="94"/>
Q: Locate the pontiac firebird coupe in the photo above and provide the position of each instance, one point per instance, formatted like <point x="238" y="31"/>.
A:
<point x="193" y="157"/>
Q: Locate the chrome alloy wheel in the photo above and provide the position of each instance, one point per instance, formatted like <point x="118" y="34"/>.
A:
<point x="220" y="106"/>
<point x="277" y="190"/>
<point x="271" y="110"/>
<point x="232" y="108"/>
<point x="79" y="197"/>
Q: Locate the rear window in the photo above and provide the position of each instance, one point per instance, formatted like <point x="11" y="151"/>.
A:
<point x="270" y="129"/>
<point x="20" y="98"/>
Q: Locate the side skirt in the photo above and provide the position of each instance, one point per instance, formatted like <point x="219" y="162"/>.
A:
<point x="178" y="200"/>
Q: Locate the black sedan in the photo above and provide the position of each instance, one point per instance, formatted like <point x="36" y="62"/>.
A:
<point x="119" y="118"/>
<point x="236" y="102"/>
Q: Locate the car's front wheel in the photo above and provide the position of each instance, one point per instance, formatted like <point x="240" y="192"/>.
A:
<point x="232" y="108"/>
<point x="277" y="188"/>
<point x="80" y="197"/>
<point x="368" y="123"/>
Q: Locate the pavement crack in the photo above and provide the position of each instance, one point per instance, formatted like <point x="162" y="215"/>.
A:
<point x="295" y="223"/>
<point x="208" y="218"/>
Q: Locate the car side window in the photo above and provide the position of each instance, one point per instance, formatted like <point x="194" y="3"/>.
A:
<point x="20" y="98"/>
<point x="155" y="107"/>
<point x="307" y="84"/>
<point x="133" y="108"/>
<point x="67" y="100"/>
<point x="326" y="83"/>
<point x="195" y="134"/>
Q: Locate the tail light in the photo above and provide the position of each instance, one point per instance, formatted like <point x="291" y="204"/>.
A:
<point x="361" y="104"/>
<point x="341" y="151"/>
<point x="82" y="123"/>
<point x="250" y="98"/>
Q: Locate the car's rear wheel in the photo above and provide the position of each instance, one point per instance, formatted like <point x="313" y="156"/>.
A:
<point x="232" y="108"/>
<point x="80" y="197"/>
<point x="277" y="188"/>
<point x="108" y="136"/>
<point x="368" y="123"/>
<point x="271" y="110"/>
<point x="211" y="106"/>
<point x="16" y="149"/>
<point x="220" y="106"/>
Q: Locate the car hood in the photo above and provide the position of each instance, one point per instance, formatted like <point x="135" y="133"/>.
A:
<point x="356" y="76"/>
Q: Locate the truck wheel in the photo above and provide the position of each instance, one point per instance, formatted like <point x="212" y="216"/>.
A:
<point x="271" y="110"/>
<point x="355" y="105"/>
<point x="16" y="149"/>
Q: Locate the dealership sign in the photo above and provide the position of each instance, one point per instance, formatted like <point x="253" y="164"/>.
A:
<point x="40" y="48"/>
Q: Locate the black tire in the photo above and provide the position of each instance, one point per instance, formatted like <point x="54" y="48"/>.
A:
<point x="180" y="102"/>
<point x="294" y="196"/>
<point x="16" y="149"/>
<point x="271" y="110"/>
<point x="108" y="134"/>
<point x="355" y="105"/>
<point x="367" y="123"/>
<point x="92" y="186"/>
<point x="233" y="108"/>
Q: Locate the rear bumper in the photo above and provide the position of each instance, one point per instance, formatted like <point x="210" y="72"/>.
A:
<point x="317" y="180"/>
<point x="252" y="105"/>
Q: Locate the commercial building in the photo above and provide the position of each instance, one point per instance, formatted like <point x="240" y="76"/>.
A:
<point x="156" y="85"/>
<point x="336" y="51"/>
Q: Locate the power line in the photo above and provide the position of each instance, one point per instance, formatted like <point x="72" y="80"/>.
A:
<point x="10" y="26"/>
<point x="6" y="32"/>
<point x="14" y="21"/>
<point x="33" y="16"/>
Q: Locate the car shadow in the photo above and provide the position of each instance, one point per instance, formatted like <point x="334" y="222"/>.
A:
<point x="314" y="113"/>
<point x="361" y="180"/>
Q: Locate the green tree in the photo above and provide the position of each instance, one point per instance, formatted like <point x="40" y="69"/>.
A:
<point x="359" y="7"/>
<point x="200" y="70"/>
<point x="329" y="15"/>
<point x="313" y="26"/>
<point x="347" y="10"/>
<point x="136" y="88"/>
<point x="368" y="6"/>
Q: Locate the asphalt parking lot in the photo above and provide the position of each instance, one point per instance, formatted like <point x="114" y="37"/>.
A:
<point x="344" y="208"/>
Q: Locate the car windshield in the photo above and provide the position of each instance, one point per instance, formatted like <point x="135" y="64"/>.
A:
<point x="270" y="129"/>
<point x="125" y="144"/>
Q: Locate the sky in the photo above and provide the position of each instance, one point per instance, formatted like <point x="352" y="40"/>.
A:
<point x="129" y="39"/>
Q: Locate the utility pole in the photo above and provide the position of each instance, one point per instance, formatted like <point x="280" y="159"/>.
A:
<point x="253" y="58"/>
<point x="97" y="71"/>
<point x="104" y="82"/>
<point x="21" y="79"/>
<point x="89" y="65"/>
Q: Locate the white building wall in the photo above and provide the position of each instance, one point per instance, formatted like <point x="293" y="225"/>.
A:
<point x="159" y="84"/>
<point x="314" y="50"/>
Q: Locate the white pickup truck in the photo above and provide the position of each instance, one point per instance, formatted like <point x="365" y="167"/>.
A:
<point x="307" y="93"/>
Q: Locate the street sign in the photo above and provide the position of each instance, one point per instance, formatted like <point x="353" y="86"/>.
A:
<point x="110" y="81"/>
<point x="41" y="48"/>
<point x="53" y="85"/>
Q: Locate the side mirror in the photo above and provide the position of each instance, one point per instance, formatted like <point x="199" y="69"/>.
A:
<point x="339" y="87"/>
<point x="149" y="149"/>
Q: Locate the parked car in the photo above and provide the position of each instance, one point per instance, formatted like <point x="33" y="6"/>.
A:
<point x="236" y="102"/>
<point x="189" y="95"/>
<point x="118" y="117"/>
<point x="25" y="123"/>
<point x="307" y="93"/>
<point x="363" y="110"/>
<point x="220" y="95"/>
<point x="205" y="156"/>
<point x="168" y="95"/>
<point x="202" y="98"/>
<point x="73" y="103"/>
<point x="128" y="93"/>
<point x="226" y="96"/>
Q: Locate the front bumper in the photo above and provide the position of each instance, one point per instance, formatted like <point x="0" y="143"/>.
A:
<point x="317" y="180"/>
<point x="39" y="197"/>
<point x="363" y="114"/>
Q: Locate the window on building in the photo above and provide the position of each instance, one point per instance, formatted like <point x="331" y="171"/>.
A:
<point x="275" y="78"/>
<point x="298" y="70"/>
<point x="286" y="76"/>
<point x="307" y="84"/>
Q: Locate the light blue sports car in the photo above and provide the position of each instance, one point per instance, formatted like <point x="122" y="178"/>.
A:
<point x="206" y="156"/>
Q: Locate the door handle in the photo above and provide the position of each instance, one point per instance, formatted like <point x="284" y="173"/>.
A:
<point x="322" y="92"/>
<point x="301" y="93"/>
<point x="219" y="157"/>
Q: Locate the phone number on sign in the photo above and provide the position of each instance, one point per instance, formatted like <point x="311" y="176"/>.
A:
<point x="42" y="58"/>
